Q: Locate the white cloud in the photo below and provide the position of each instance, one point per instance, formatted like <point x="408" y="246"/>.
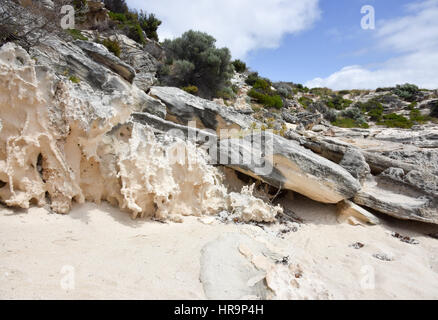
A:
<point x="414" y="38"/>
<point x="241" y="25"/>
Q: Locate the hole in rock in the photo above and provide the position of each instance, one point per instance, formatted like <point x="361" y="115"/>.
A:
<point x="2" y="184"/>
<point x="40" y="166"/>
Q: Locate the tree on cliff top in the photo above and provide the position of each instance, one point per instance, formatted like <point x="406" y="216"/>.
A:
<point x="117" y="6"/>
<point x="195" y="60"/>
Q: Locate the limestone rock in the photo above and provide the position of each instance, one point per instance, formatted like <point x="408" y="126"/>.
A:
<point x="248" y="208"/>
<point x="68" y="59"/>
<point x="306" y="119"/>
<point x="62" y="142"/>
<point x="398" y="197"/>
<point x="144" y="64"/>
<point x="347" y="209"/>
<point x="291" y="167"/>
<point x="101" y="55"/>
<point x="354" y="162"/>
<point x="183" y="107"/>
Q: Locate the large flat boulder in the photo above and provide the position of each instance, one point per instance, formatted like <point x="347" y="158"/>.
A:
<point x="101" y="55"/>
<point x="285" y="164"/>
<point x="183" y="107"/>
<point x="269" y="158"/>
<point x="411" y="196"/>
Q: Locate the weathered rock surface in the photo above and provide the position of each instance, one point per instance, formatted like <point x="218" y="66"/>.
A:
<point x="144" y="64"/>
<point x="62" y="142"/>
<point x="183" y="107"/>
<point x="67" y="59"/>
<point x="348" y="210"/>
<point x="292" y="167"/>
<point x="395" y="194"/>
<point x="101" y="55"/>
<point x="354" y="162"/>
<point x="306" y="119"/>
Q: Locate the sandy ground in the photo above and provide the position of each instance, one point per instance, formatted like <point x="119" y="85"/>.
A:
<point x="110" y="256"/>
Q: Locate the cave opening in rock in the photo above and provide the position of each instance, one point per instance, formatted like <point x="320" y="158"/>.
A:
<point x="40" y="166"/>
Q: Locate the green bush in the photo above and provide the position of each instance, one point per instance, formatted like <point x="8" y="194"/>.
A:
<point x="355" y="114"/>
<point x="226" y="93"/>
<point x="263" y="85"/>
<point x="121" y="17"/>
<point x="191" y="89"/>
<point x="337" y="102"/>
<point x="268" y="101"/>
<point x="408" y="92"/>
<point x="373" y="108"/>
<point x="135" y="32"/>
<point x="321" y="91"/>
<point x="416" y="116"/>
<point x="349" y="123"/>
<point x="118" y="6"/>
<point x="394" y="120"/>
<point x="76" y="34"/>
<point x="284" y="89"/>
<point x="239" y="66"/>
<point x="149" y="23"/>
<point x="305" y="102"/>
<point x="211" y="65"/>
<point x="252" y="78"/>
<point x="112" y="46"/>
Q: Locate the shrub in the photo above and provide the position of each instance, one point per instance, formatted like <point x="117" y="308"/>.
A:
<point x="305" y="102"/>
<point x="226" y="93"/>
<point x="349" y="123"/>
<point x="268" y="101"/>
<point x="263" y="85"/>
<point x="149" y="24"/>
<point x="416" y="116"/>
<point x="211" y="65"/>
<point x="76" y="34"/>
<point x="135" y="32"/>
<point x="373" y="108"/>
<point x="394" y="120"/>
<point x="121" y="17"/>
<point x="112" y="46"/>
<point x="321" y="91"/>
<point x="320" y="106"/>
<point x="337" y="102"/>
<point x="355" y="114"/>
<point x="408" y="92"/>
<point x="239" y="66"/>
<point x="191" y="89"/>
<point x="117" y="6"/>
<point x="284" y="89"/>
<point x="252" y="78"/>
<point x="181" y="71"/>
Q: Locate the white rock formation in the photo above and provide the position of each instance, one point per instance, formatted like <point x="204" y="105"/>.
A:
<point x="62" y="142"/>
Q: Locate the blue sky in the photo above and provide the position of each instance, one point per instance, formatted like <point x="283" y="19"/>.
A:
<point x="335" y="40"/>
<point x="316" y="42"/>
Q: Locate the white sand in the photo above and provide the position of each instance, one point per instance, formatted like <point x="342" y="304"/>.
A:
<point x="119" y="258"/>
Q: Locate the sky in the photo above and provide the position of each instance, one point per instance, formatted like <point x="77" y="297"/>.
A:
<point x="319" y="43"/>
